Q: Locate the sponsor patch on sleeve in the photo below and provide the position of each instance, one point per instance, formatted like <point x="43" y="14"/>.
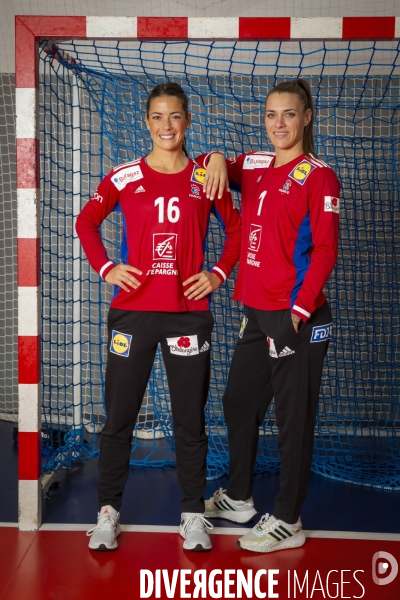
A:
<point x="120" y="343"/>
<point x="185" y="345"/>
<point x="124" y="176"/>
<point x="332" y="204"/>
<point x="96" y="196"/>
<point x="321" y="333"/>
<point x="302" y="171"/>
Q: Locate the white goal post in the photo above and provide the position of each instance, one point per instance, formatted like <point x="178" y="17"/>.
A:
<point x="30" y="30"/>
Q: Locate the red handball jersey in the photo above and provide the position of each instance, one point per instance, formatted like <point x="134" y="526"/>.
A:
<point x="165" y="222"/>
<point x="290" y="226"/>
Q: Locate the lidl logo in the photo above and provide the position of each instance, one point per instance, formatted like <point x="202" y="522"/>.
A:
<point x="198" y="175"/>
<point x="120" y="343"/>
<point x="301" y="172"/>
<point x="243" y="326"/>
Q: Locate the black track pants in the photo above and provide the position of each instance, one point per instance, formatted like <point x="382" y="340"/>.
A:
<point x="287" y="367"/>
<point x="132" y="344"/>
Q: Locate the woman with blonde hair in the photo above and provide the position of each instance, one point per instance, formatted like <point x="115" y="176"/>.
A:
<point x="290" y="220"/>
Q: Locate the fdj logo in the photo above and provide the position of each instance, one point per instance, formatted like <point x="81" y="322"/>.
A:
<point x="120" y="343"/>
<point x="381" y="568"/>
<point x="322" y="333"/>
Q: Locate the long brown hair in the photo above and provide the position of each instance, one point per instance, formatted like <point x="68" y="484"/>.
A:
<point x="170" y="89"/>
<point x="300" y="88"/>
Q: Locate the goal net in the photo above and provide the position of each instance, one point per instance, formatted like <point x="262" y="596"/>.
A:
<point x="92" y="105"/>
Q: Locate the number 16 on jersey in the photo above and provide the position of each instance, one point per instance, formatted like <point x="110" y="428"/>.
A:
<point x="173" y="213"/>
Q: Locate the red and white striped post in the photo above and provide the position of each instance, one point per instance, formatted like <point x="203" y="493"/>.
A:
<point x="28" y="248"/>
<point x="28" y="31"/>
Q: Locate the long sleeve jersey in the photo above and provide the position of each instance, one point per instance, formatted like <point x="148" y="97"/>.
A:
<point x="290" y="224"/>
<point x="165" y="222"/>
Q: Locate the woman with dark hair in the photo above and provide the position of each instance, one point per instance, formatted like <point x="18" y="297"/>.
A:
<point x="160" y="297"/>
<point x="290" y="220"/>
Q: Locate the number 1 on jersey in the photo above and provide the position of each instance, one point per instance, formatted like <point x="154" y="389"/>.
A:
<point x="172" y="211"/>
<point x="262" y="196"/>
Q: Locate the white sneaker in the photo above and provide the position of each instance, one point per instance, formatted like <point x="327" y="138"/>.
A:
<point x="222" y="507"/>
<point x="104" y="535"/>
<point x="193" y="531"/>
<point x="272" y="534"/>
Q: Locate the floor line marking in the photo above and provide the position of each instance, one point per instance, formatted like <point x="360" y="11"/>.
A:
<point x="352" y="535"/>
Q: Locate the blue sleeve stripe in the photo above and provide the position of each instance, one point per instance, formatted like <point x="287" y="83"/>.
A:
<point x="124" y="246"/>
<point x="219" y="217"/>
<point x="115" y="292"/>
<point x="301" y="257"/>
<point x="123" y="250"/>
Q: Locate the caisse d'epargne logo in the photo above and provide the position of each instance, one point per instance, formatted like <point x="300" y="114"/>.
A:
<point x="255" y="237"/>
<point x="164" y="246"/>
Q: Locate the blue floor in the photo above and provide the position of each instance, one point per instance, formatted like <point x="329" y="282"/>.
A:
<point x="152" y="497"/>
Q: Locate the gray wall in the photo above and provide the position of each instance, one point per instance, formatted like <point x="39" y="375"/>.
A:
<point x="8" y="262"/>
<point x="172" y="8"/>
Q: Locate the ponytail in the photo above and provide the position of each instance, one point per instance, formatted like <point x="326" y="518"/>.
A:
<point x="300" y="88"/>
<point x="184" y="147"/>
